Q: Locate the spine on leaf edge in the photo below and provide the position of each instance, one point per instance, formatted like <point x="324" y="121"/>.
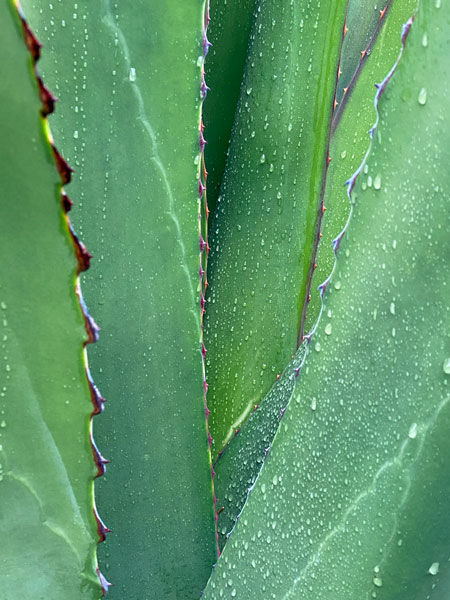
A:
<point x="83" y="260"/>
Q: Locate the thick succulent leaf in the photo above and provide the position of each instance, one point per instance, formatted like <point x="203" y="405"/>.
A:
<point x="352" y="501"/>
<point x="348" y="145"/>
<point x="229" y="34"/>
<point x="238" y="467"/>
<point x="264" y="228"/>
<point x="48" y="530"/>
<point x="129" y="80"/>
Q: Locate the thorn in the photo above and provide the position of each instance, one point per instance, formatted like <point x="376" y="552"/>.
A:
<point x="383" y="12"/>
<point x="320" y="234"/>
<point x="205" y="386"/>
<point x="339" y="72"/>
<point x="103" y="582"/>
<point x="204" y="351"/>
<point x="329" y="157"/>
<point x="315" y="266"/>
<point x="278" y="376"/>
<point x="335" y="103"/>
<point x="345" y="28"/>
<point x="345" y="90"/>
<point x="66" y="201"/>
<point x="220" y="510"/>
<point x="64" y="169"/>
<point x="363" y="53"/>
<point x="309" y="298"/>
<point x="324" y="208"/>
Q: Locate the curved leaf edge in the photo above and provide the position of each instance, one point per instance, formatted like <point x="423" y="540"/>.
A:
<point x="82" y="255"/>
<point x="294" y="368"/>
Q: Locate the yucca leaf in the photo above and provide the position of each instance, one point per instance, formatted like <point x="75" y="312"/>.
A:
<point x="129" y="80"/>
<point x="238" y="466"/>
<point x="48" y="528"/>
<point x="262" y="235"/>
<point x="229" y="34"/>
<point x="352" y="501"/>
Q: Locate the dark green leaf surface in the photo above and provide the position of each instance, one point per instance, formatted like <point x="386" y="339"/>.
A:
<point x="237" y="468"/>
<point x="263" y="232"/>
<point x="129" y="77"/>
<point x="352" y="502"/>
<point x="48" y="531"/>
<point x="229" y="34"/>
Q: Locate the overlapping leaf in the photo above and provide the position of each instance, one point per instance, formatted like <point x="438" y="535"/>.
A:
<point x="237" y="468"/>
<point x="48" y="530"/>
<point x="352" y="501"/>
<point x="129" y="80"/>
<point x="262" y="235"/>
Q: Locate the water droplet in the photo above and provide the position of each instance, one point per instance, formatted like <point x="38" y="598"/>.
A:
<point x="433" y="570"/>
<point x="75" y="134"/>
<point x="249" y="91"/>
<point x="377" y="182"/>
<point x="438" y="4"/>
<point x="328" y="329"/>
<point x="392" y="308"/>
<point x="3" y="305"/>
<point x="343" y="153"/>
<point x="377" y="581"/>
<point x="337" y="285"/>
<point x="275" y="480"/>
<point x="446" y="366"/>
<point x="425" y="40"/>
<point x="199" y="61"/>
<point x="317" y="347"/>
<point x="412" y="433"/>
<point x="314" y="403"/>
<point x="3" y="424"/>
<point x="132" y="75"/>
<point x="422" y="96"/>
<point x="262" y="160"/>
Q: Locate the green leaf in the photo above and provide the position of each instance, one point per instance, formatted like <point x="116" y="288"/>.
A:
<point x="238" y="467"/>
<point x="348" y="144"/>
<point x="48" y="529"/>
<point x="263" y="233"/>
<point x="229" y="33"/>
<point x="358" y="471"/>
<point x="129" y="80"/>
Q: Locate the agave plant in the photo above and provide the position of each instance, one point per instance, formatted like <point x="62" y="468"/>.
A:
<point x="268" y="264"/>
